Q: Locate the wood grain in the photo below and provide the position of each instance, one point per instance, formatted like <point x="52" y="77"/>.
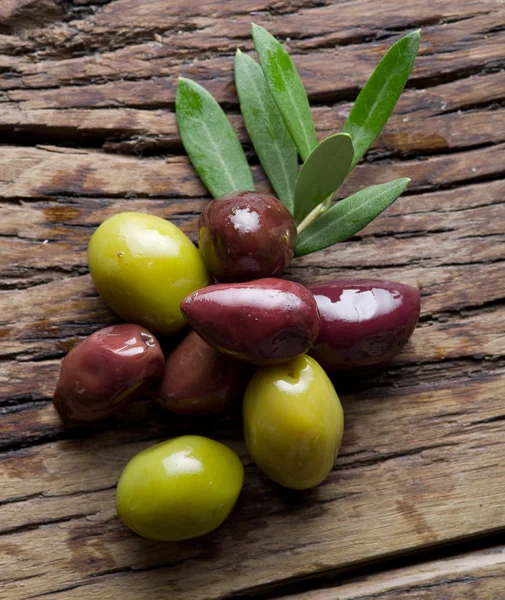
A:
<point x="472" y="575"/>
<point x="87" y="123"/>
<point x="400" y="484"/>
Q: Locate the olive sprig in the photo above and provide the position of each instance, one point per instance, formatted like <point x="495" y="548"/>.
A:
<point x="278" y="119"/>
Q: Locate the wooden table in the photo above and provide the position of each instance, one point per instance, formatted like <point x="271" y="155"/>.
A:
<point x="415" y="507"/>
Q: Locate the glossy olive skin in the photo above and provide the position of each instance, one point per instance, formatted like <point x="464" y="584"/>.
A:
<point x="143" y="267"/>
<point x="246" y="236"/>
<point x="179" y="489"/>
<point x="363" y="322"/>
<point x="199" y="380"/>
<point x="293" y="422"/>
<point x="262" y="321"/>
<point x="106" y="371"/>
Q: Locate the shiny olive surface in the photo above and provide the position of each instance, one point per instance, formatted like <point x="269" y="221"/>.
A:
<point x="260" y="321"/>
<point x="246" y="236"/>
<point x="143" y="267"/>
<point x="110" y="368"/>
<point x="293" y="422"/>
<point x="199" y="380"/>
<point x="363" y="322"/>
<point x="179" y="489"/>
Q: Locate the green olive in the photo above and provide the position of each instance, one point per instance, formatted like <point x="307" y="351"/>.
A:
<point x="293" y="422"/>
<point x="179" y="489"/>
<point x="143" y="267"/>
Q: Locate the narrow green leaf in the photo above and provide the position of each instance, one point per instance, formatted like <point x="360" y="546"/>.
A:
<point x="378" y="98"/>
<point x="347" y="217"/>
<point x="208" y="137"/>
<point x="287" y="89"/>
<point x="267" y="130"/>
<point x="322" y="173"/>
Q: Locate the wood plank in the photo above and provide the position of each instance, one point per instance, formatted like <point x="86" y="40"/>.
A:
<point x="136" y="131"/>
<point x="32" y="173"/>
<point x="460" y="94"/>
<point x="146" y="74"/>
<point x="69" y="222"/>
<point x="121" y="23"/>
<point x="437" y="457"/>
<point x="347" y="67"/>
<point x="477" y="574"/>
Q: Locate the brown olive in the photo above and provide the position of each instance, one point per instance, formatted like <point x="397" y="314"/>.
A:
<point x="199" y="380"/>
<point x="107" y="370"/>
<point x="262" y="321"/>
<point x="363" y="322"/>
<point x="246" y="236"/>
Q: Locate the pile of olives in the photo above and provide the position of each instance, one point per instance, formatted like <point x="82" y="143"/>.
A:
<point x="155" y="279"/>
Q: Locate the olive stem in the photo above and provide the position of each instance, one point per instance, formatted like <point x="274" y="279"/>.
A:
<point x="314" y="214"/>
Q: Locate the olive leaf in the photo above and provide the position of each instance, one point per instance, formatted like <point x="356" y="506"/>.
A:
<point x="377" y="99"/>
<point x="267" y="130"/>
<point x="345" y="218"/>
<point x="210" y="141"/>
<point x="287" y="90"/>
<point x="322" y="173"/>
<point x="277" y="116"/>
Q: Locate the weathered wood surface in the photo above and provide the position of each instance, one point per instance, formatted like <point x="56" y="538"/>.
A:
<point x="471" y="576"/>
<point x="86" y="117"/>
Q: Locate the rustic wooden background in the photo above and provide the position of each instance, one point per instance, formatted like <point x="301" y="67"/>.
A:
<point x="415" y="507"/>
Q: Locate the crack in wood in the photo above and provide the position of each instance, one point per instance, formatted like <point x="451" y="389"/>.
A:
<point x="42" y="523"/>
<point x="388" y="565"/>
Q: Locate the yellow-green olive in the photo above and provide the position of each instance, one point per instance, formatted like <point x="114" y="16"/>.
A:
<point x="179" y="489"/>
<point x="293" y="422"/>
<point x="143" y="267"/>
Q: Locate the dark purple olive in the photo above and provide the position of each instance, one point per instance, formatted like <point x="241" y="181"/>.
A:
<point x="199" y="380"/>
<point x="106" y="371"/>
<point x="363" y="322"/>
<point x="246" y="236"/>
<point x="262" y="321"/>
